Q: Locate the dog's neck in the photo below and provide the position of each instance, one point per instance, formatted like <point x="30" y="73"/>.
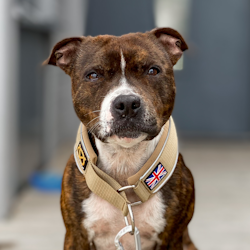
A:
<point x="120" y="162"/>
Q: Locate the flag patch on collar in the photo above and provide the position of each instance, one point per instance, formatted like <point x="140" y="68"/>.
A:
<point x="81" y="155"/>
<point x="156" y="176"/>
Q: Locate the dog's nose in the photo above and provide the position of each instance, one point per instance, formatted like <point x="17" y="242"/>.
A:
<point x="126" y="106"/>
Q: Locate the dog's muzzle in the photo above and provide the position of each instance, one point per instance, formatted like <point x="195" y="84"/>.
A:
<point x="126" y="107"/>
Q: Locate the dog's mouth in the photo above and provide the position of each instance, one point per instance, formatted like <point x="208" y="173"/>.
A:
<point x="130" y="133"/>
<point x="126" y="142"/>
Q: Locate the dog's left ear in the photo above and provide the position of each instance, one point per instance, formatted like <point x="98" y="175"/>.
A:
<point x="64" y="53"/>
<point x="172" y="41"/>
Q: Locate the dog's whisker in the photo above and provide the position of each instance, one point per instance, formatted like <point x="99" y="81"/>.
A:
<point x="91" y="128"/>
<point x="94" y="127"/>
<point x="92" y="112"/>
<point x="92" y="120"/>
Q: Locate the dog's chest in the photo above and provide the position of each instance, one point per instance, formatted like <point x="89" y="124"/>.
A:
<point x="103" y="221"/>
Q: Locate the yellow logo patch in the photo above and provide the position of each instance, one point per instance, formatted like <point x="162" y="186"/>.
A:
<point x="81" y="155"/>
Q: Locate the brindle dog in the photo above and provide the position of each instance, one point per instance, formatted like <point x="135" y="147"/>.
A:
<point x="123" y="91"/>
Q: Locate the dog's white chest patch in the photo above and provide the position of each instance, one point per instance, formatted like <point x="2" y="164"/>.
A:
<point x="103" y="221"/>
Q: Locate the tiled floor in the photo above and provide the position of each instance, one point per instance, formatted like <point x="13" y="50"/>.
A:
<point x="222" y="215"/>
<point x="35" y="224"/>
<point x="222" y="178"/>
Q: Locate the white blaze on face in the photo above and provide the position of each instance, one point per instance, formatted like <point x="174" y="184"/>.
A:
<point x="122" y="89"/>
<point x="123" y="64"/>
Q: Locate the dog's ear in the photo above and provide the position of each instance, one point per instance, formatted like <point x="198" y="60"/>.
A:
<point x="172" y="41"/>
<point x="64" y="53"/>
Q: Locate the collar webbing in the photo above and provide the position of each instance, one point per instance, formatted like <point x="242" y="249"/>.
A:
<point x="148" y="180"/>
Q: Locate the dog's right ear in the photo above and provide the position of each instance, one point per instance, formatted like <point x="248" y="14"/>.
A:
<point x="64" y="53"/>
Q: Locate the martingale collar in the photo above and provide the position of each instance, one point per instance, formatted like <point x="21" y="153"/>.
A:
<point x="145" y="183"/>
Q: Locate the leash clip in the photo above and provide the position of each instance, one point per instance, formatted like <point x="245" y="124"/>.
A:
<point x="132" y="229"/>
<point x="131" y="215"/>
<point x="123" y="231"/>
<point x="130" y="209"/>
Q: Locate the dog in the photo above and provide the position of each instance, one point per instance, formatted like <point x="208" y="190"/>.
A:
<point x="123" y="92"/>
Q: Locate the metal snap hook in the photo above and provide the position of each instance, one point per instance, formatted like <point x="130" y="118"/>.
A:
<point x="131" y="218"/>
<point x="132" y="229"/>
<point x="123" y="231"/>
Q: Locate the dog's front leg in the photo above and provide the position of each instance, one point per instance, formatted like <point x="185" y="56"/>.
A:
<point x="179" y="195"/>
<point x="187" y="242"/>
<point x="72" y="242"/>
<point x="74" y="191"/>
<point x="182" y="243"/>
<point x="175" y="245"/>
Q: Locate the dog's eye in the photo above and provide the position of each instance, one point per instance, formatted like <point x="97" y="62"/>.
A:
<point x="92" y="76"/>
<point x="153" y="71"/>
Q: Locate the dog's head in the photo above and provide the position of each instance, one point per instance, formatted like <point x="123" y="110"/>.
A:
<point x="123" y="87"/>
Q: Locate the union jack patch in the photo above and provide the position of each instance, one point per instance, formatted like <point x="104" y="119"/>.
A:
<point x="156" y="176"/>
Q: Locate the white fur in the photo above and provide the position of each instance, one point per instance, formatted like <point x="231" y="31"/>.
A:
<point x="123" y="64"/>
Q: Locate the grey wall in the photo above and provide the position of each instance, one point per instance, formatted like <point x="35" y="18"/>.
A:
<point x="35" y="103"/>
<point x="33" y="45"/>
<point x="60" y="120"/>
<point x="119" y="17"/>
<point x="213" y="96"/>
<point x="213" y="90"/>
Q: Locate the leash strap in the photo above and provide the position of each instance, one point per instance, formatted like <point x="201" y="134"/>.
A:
<point x="147" y="181"/>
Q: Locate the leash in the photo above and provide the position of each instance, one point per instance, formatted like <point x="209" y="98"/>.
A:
<point x="145" y="183"/>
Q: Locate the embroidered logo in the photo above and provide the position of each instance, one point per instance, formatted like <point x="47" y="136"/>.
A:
<point x="156" y="176"/>
<point x="81" y="156"/>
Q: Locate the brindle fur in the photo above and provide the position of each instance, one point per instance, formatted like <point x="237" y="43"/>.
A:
<point x="79" y="56"/>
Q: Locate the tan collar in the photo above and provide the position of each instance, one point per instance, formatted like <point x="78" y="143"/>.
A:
<point x="147" y="181"/>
